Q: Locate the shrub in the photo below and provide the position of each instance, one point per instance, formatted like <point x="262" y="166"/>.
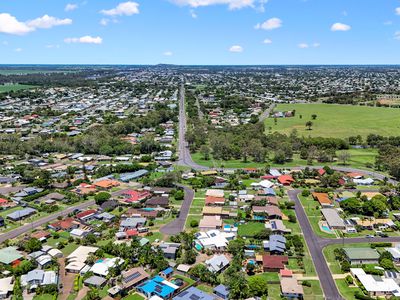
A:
<point x="194" y="223"/>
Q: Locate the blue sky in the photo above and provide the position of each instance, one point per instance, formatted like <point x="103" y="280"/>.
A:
<point x="200" y="31"/>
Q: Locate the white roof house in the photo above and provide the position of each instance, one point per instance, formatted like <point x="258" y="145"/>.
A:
<point x="376" y="285"/>
<point x="217" y="263"/>
<point x="76" y="260"/>
<point x="102" y="267"/>
<point x="6" y="286"/>
<point x="214" y="239"/>
<point x="361" y="181"/>
<point x="215" y="193"/>
<point x="263" y="183"/>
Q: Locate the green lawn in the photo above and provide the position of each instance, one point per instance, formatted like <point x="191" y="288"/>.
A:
<point x="250" y="229"/>
<point x="133" y="297"/>
<point x="15" y="87"/>
<point x="188" y="280"/>
<point x="205" y="288"/>
<point x="274" y="292"/>
<point x="43" y="297"/>
<point x="314" y="292"/>
<point x="189" y="219"/>
<point x="339" y="121"/>
<point x="346" y="291"/>
<point x="268" y="276"/>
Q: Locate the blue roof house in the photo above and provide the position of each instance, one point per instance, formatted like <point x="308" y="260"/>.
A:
<point x="222" y="291"/>
<point x="158" y="286"/>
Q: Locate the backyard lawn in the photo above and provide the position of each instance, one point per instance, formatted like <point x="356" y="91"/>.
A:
<point x="250" y="229"/>
<point x="133" y="297"/>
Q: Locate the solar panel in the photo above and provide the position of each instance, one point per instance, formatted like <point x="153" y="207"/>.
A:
<point x="132" y="277"/>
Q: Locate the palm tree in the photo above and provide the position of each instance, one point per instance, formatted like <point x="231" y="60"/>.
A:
<point x="309" y="124"/>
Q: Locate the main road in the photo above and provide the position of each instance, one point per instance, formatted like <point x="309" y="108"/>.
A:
<point x="315" y="243"/>
<point x="28" y="227"/>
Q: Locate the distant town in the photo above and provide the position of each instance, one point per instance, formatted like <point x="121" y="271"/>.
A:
<point x="199" y="182"/>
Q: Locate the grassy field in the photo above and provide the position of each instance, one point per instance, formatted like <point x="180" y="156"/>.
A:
<point x="358" y="159"/>
<point x="339" y="121"/>
<point x="15" y="87"/>
<point x="133" y="297"/>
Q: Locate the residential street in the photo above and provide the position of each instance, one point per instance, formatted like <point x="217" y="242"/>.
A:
<point x="25" y="228"/>
<point x="178" y="225"/>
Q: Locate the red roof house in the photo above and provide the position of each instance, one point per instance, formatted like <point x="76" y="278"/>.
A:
<point x="274" y="263"/>
<point x="285" y="179"/>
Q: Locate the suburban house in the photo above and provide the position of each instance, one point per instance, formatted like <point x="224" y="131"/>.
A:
<point x="333" y="219"/>
<point x="291" y="289"/>
<point x="360" y="256"/>
<point x="274" y="263"/>
<point x="217" y="263"/>
<point x="133" y="277"/>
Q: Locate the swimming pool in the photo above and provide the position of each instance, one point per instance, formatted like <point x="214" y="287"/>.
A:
<point x="326" y="228"/>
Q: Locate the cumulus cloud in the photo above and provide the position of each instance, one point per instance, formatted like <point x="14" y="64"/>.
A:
<point x="168" y="53"/>
<point x="10" y="25"/>
<point x="47" y="21"/>
<point x="267" y="41"/>
<point x="232" y="4"/>
<point x="70" y="7"/>
<point x="104" y="21"/>
<point x="340" y="27"/>
<point x="397" y="10"/>
<point x="270" y="24"/>
<point x="236" y="49"/>
<point x="123" y="9"/>
<point x="87" y="39"/>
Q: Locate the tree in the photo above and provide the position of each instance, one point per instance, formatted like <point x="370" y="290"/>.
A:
<point x="314" y="116"/>
<point x="309" y="124"/>
<point x="194" y="223"/>
<point x="179" y="195"/>
<point x="102" y="197"/>
<point x="205" y="151"/>
<point x="344" y="156"/>
<point x="257" y="286"/>
<point x="93" y="294"/>
<point x="32" y="245"/>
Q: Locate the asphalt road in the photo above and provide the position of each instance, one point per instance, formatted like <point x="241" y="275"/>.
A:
<point x="177" y="225"/>
<point x="185" y="159"/>
<point x="26" y="228"/>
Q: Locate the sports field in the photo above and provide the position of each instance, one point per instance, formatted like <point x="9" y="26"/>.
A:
<point x="339" y="121"/>
<point x="15" y="87"/>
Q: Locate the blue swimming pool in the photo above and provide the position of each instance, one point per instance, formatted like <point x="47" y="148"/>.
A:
<point x="326" y="228"/>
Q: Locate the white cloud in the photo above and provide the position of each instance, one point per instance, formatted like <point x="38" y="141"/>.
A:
<point x="123" y="9"/>
<point x="52" y="46"/>
<point x="267" y="41"/>
<point x="397" y="10"/>
<point x="316" y="45"/>
<point x="47" y="21"/>
<point x="236" y="49"/>
<point x="303" y="45"/>
<point x="87" y="39"/>
<point x="340" y="27"/>
<point x="232" y="4"/>
<point x="168" y="53"/>
<point x="18" y="50"/>
<point x="270" y="24"/>
<point x="104" y="21"/>
<point x="10" y="25"/>
<point x="193" y="14"/>
<point x="397" y="35"/>
<point x="70" y="7"/>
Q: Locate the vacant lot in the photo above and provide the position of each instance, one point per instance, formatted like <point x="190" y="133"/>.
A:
<point x="339" y="121"/>
<point x="15" y="87"/>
